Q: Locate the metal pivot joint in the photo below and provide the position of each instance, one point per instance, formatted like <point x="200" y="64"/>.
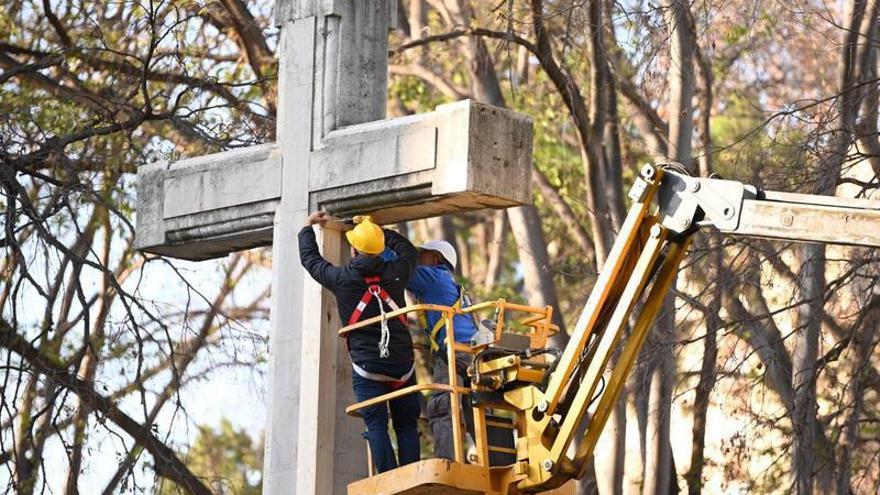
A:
<point x="687" y="203"/>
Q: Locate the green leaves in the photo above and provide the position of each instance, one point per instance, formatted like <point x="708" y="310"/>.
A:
<point x="229" y="458"/>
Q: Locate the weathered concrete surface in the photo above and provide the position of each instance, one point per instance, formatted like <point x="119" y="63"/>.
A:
<point x="463" y="156"/>
<point x="293" y="313"/>
<point x="292" y="10"/>
<point x="209" y="206"/>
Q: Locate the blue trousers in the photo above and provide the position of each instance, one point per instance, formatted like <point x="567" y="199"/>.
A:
<point x="404" y="417"/>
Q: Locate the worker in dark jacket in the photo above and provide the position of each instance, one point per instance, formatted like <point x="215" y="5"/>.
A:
<point x="381" y="354"/>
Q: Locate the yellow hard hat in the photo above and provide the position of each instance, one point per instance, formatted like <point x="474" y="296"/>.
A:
<point x="366" y="236"/>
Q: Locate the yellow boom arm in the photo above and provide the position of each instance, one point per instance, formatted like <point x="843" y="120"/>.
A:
<point x="544" y="403"/>
<point x="668" y="207"/>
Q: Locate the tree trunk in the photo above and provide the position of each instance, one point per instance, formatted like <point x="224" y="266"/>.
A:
<point x="590" y="125"/>
<point x="712" y="319"/>
<point x="566" y="214"/>
<point x="613" y="162"/>
<point x="522" y="65"/>
<point x="537" y="270"/>
<point x="809" y="314"/>
<point x="495" y="267"/>
<point x="868" y="132"/>
<point x="680" y="80"/>
<point x="766" y="339"/>
<point x="592" y="150"/>
<point x="442" y="228"/>
<point x="708" y="373"/>
<point x="524" y="220"/>
<point x="803" y="378"/>
<point x="25" y="468"/>
<point x="610" y="452"/>
<point x="658" y="452"/>
<point x="864" y="341"/>
<point x="611" y="455"/>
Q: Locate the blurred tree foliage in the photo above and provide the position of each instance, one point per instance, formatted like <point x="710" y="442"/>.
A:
<point x="230" y="460"/>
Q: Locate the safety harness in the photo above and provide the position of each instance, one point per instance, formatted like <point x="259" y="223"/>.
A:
<point x="374" y="290"/>
<point x="393" y="383"/>
<point x="438" y="325"/>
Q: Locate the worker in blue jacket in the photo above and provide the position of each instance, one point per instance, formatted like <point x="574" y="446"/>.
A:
<point x="433" y="283"/>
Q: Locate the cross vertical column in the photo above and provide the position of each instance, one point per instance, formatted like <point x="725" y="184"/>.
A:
<point x="333" y="73"/>
<point x="288" y="278"/>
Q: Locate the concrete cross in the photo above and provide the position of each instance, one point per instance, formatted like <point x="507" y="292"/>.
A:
<point x="336" y="151"/>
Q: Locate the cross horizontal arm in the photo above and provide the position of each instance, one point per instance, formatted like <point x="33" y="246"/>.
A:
<point x="211" y="205"/>
<point x="463" y="156"/>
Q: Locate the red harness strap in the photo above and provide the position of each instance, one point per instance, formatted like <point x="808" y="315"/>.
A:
<point x="374" y="290"/>
<point x="396" y="384"/>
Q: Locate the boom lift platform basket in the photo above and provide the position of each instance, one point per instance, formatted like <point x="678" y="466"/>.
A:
<point x="547" y="401"/>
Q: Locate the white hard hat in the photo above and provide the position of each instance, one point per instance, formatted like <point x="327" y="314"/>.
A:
<point x="444" y="248"/>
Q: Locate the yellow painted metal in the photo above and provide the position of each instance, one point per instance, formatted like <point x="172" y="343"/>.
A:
<point x="522" y="374"/>
<point x="652" y="306"/>
<point x="522" y="308"/>
<point x="428" y="477"/>
<point x="481" y="441"/>
<point x="609" y="276"/>
<point x="353" y="409"/>
<point x="483" y="306"/>
<point x="529" y="320"/>
<point x="498" y="364"/>
<point x="523" y="398"/>
<point x="542" y="465"/>
<point x="520" y="400"/>
<point x="393" y="314"/>
<point x="454" y="396"/>
<point x="539" y="321"/>
<point x="535" y="443"/>
<point x="501" y="424"/>
<point x="459" y="347"/>
<point x="530" y="432"/>
<point x="444" y="477"/>
<point x="607" y="342"/>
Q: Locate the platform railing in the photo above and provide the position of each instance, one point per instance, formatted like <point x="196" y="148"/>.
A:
<point x="537" y="320"/>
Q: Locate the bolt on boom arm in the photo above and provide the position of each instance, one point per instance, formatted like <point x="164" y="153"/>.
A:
<point x="641" y="266"/>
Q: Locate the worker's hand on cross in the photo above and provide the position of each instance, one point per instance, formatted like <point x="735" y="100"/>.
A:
<point x="318" y="217"/>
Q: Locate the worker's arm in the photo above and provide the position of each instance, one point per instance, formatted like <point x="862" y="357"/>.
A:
<point x="407" y="254"/>
<point x="388" y="255"/>
<point x="310" y="256"/>
<point x="423" y="278"/>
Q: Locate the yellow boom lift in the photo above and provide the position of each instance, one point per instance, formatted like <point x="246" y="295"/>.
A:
<point x="527" y="408"/>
